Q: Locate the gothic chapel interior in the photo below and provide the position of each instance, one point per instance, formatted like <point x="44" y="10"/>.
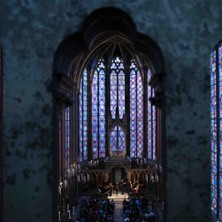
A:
<point x="110" y="111"/>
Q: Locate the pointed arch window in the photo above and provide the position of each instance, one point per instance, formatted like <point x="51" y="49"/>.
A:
<point x="99" y="110"/>
<point x="136" y="111"/>
<point x="115" y="104"/>
<point x="104" y="73"/>
<point x="83" y="117"/>
<point x="117" y="88"/>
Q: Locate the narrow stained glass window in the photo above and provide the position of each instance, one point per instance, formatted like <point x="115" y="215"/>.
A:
<point x="149" y="116"/>
<point x="136" y="111"/>
<point x="220" y="127"/>
<point x="152" y="121"/>
<point x="98" y="111"/>
<point x="67" y="137"/>
<point x="214" y="133"/>
<point x="154" y="128"/>
<point x="83" y="117"/>
<point x="117" y="88"/>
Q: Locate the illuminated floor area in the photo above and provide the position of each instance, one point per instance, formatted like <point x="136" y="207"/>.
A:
<point x="119" y="197"/>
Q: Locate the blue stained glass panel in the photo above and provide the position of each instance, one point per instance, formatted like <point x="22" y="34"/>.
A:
<point x="121" y="94"/>
<point x="102" y="122"/>
<point x="83" y="117"/>
<point x="149" y="116"/>
<point x="154" y="129"/>
<point x="117" y="139"/>
<point x="117" y="88"/>
<point x="139" y="101"/>
<point x="98" y="111"/>
<point x="133" y="116"/>
<point x="67" y="137"/>
<point x="220" y="127"/>
<point x="136" y="111"/>
<point x="213" y="133"/>
<point x="113" y="94"/>
<point x="80" y="122"/>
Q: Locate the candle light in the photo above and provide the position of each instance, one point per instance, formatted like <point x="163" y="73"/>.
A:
<point x="69" y="214"/>
<point x="73" y="211"/>
<point x="65" y="183"/>
<point x="157" y="178"/>
<point x="59" y="217"/>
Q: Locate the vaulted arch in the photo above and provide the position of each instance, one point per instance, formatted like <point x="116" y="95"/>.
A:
<point x="109" y="83"/>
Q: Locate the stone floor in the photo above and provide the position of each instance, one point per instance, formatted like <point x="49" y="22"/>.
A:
<point x="118" y="199"/>
<point x="118" y="213"/>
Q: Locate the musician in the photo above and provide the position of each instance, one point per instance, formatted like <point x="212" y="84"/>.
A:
<point x="111" y="189"/>
<point x="131" y="185"/>
<point x="137" y="188"/>
<point x="123" y="186"/>
<point x="117" y="188"/>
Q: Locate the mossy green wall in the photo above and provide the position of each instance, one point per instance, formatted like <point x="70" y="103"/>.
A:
<point x="186" y="32"/>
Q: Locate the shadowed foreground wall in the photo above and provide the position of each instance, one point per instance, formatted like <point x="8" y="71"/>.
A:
<point x="186" y="32"/>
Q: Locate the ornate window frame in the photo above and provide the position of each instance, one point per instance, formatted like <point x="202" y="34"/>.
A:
<point x="77" y="50"/>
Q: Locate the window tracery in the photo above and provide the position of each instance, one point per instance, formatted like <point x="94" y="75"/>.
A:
<point x="110" y="97"/>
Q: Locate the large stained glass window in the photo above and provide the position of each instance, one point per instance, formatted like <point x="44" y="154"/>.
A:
<point x="99" y="111"/>
<point x="112" y="110"/>
<point x="136" y="111"/>
<point x="216" y="131"/>
<point x="83" y="117"/>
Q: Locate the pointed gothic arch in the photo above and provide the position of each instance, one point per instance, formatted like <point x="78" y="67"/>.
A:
<point x="83" y="66"/>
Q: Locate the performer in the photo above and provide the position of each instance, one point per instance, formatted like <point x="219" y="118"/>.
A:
<point x="111" y="188"/>
<point x="123" y="186"/>
<point x="131" y="185"/>
<point x="117" y="188"/>
<point x="137" y="188"/>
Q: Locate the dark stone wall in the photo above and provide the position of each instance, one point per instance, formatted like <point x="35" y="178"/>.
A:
<point x="186" y="32"/>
